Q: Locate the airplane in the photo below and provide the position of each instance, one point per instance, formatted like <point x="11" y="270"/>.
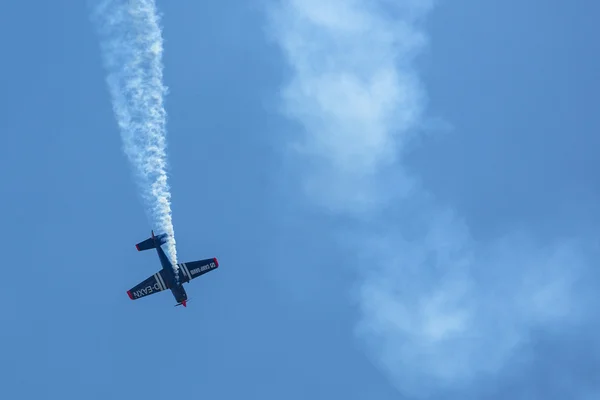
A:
<point x="165" y="278"/>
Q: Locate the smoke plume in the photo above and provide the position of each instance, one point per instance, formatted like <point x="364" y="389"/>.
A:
<point x="132" y="48"/>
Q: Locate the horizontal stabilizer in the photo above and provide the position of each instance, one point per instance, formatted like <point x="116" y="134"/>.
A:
<point x="145" y="245"/>
<point x="152" y="242"/>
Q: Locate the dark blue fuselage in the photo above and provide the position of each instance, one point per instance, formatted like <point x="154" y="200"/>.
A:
<point x="175" y="286"/>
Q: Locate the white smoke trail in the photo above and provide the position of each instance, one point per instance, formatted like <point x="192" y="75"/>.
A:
<point x="132" y="48"/>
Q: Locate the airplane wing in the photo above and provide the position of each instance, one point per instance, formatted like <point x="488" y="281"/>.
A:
<point x="194" y="269"/>
<point x="154" y="284"/>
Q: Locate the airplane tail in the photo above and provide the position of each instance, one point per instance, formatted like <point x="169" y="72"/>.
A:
<point x="152" y="242"/>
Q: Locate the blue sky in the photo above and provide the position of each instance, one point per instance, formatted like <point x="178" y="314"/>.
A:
<point x="402" y="197"/>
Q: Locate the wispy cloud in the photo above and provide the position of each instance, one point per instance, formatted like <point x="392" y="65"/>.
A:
<point x="353" y="90"/>
<point x="438" y="309"/>
<point x="442" y="309"/>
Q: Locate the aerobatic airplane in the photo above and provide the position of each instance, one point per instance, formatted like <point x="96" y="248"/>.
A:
<point x="165" y="278"/>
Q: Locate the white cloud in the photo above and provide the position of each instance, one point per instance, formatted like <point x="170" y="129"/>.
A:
<point x="348" y="92"/>
<point x="437" y="309"/>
